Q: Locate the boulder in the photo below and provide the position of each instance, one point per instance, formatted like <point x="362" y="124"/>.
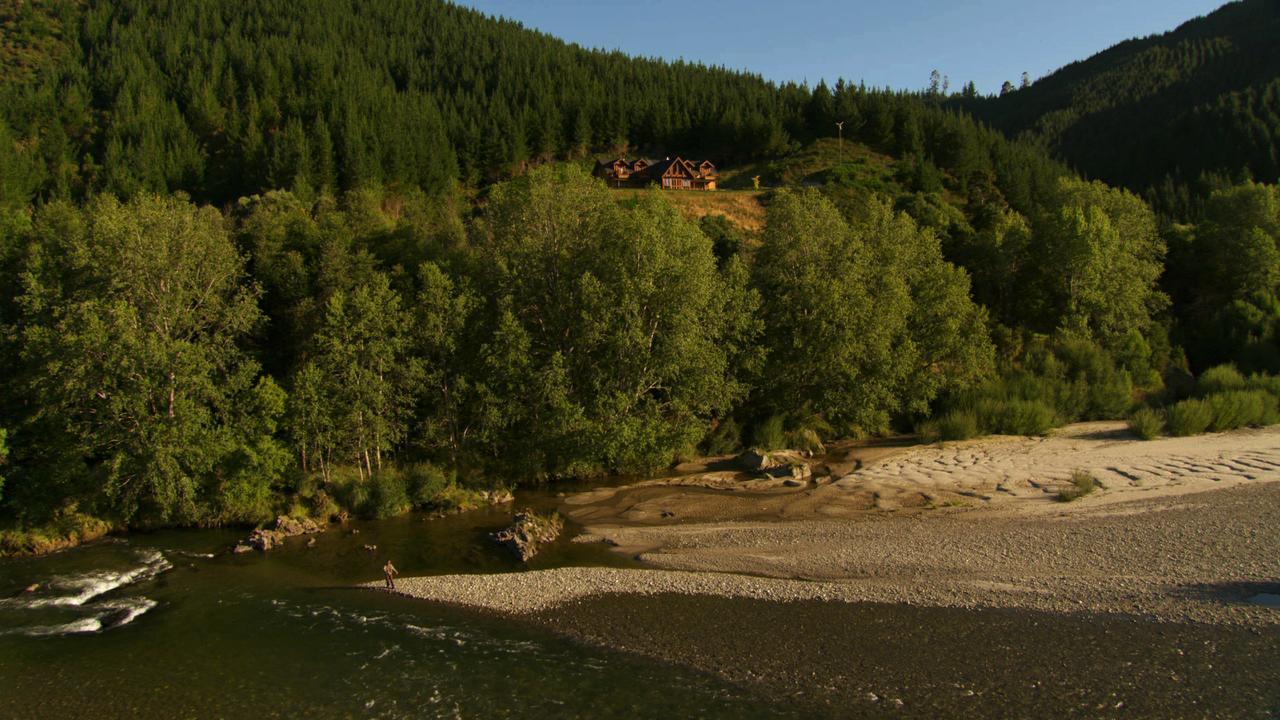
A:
<point x="530" y="532"/>
<point x="754" y="460"/>
<point x="776" y="463"/>
<point x="797" y="474"/>
<point x="264" y="539"/>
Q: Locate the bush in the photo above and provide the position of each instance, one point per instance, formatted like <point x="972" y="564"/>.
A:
<point x="1082" y="483"/>
<point x="806" y="440"/>
<point x="1269" y="384"/>
<point x="1189" y="417"/>
<point x="1237" y="408"/>
<point x="1147" y="423"/>
<point x="425" y="482"/>
<point x="349" y="490"/>
<point x="1025" y="417"/>
<point x="389" y="494"/>
<point x="725" y="439"/>
<point x="928" y="431"/>
<point x="1220" y="379"/>
<point x="1110" y="396"/>
<point x="958" y="425"/>
<point x="768" y="435"/>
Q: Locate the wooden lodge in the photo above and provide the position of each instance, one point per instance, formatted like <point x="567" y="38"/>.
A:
<point x="669" y="174"/>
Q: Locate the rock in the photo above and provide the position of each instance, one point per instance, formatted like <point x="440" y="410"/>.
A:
<point x="790" y="465"/>
<point x="754" y="460"/>
<point x="530" y="532"/>
<point x="242" y="547"/>
<point x="797" y="474"/>
<point x="265" y="539"/>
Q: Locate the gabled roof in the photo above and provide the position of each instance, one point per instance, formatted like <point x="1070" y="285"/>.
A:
<point x="655" y="170"/>
<point x="661" y="168"/>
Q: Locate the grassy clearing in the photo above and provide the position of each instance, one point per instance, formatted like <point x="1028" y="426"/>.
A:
<point x="819" y="162"/>
<point x="742" y="207"/>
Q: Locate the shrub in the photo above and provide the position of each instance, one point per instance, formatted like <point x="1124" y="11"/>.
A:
<point x="725" y="439"/>
<point x="768" y="435"/>
<point x="1220" y="379"/>
<point x="389" y="494"/>
<point x="322" y="506"/>
<point x="1237" y="408"/>
<point x="349" y="490"/>
<point x="1267" y="383"/>
<point x="805" y="439"/>
<point x="958" y="425"/>
<point x="1189" y="417"/>
<point x="1026" y="417"/>
<point x="1270" y="410"/>
<point x="66" y="528"/>
<point x="1147" y="423"/>
<point x="456" y="497"/>
<point x="425" y="482"/>
<point x="1082" y="483"/>
<point x="1110" y="396"/>
<point x="928" y="431"/>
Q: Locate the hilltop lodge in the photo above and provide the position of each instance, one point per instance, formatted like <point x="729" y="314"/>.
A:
<point x="670" y="174"/>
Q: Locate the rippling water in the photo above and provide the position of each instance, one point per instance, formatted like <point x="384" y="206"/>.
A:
<point x="169" y="625"/>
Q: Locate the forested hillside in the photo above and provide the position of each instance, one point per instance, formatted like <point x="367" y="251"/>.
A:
<point x="224" y="99"/>
<point x="314" y="257"/>
<point x="1173" y="116"/>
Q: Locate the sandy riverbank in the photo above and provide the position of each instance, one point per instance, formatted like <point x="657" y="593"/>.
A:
<point x="963" y="545"/>
<point x="1183" y="529"/>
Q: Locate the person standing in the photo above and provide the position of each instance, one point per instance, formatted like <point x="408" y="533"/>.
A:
<point x="389" y="571"/>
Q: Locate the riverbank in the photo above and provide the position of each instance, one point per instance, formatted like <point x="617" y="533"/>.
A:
<point x="1180" y="530"/>
<point x="793" y="586"/>
<point x="1196" y="558"/>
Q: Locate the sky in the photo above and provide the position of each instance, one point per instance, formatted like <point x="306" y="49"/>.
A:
<point x="894" y="43"/>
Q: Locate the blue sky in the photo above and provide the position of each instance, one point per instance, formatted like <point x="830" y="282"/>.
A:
<point x="891" y="42"/>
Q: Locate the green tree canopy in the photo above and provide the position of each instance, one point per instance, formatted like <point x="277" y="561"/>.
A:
<point x="132" y="317"/>
<point x="862" y="322"/>
<point x="612" y="341"/>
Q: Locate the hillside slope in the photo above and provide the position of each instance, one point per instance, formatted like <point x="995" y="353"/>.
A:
<point x="1200" y="100"/>
<point x="224" y="99"/>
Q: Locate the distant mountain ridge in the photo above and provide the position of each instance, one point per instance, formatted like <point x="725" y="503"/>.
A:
<point x="1164" y="112"/>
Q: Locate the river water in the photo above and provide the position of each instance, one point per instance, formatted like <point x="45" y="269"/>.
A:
<point x="168" y="624"/>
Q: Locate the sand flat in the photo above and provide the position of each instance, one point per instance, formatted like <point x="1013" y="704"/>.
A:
<point x="1183" y="529"/>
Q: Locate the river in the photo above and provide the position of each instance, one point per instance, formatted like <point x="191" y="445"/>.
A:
<point x="168" y="624"/>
